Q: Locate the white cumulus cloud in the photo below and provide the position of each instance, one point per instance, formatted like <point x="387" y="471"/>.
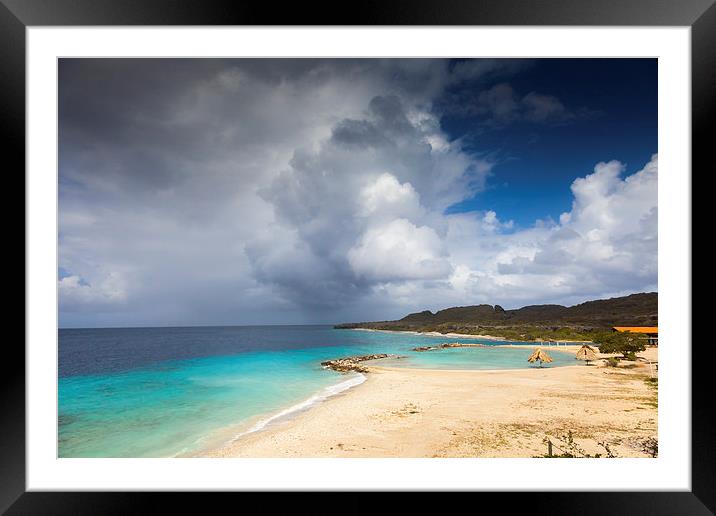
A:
<point x="399" y="251"/>
<point x="607" y="244"/>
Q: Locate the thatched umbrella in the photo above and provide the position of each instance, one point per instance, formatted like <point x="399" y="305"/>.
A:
<point x="586" y="353"/>
<point x="541" y="356"/>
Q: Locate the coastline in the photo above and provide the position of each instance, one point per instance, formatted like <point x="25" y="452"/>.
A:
<point x="400" y="412"/>
<point x="434" y="334"/>
<point x="454" y="335"/>
<point x="232" y="433"/>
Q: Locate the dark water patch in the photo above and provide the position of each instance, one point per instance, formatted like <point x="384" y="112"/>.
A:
<point x="90" y="351"/>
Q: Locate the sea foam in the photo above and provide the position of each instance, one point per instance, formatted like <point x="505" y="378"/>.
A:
<point x="323" y="395"/>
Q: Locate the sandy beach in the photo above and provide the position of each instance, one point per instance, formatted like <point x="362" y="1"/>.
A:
<point x="439" y="413"/>
<point x="435" y="334"/>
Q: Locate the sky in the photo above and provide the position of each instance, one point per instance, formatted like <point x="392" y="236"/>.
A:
<point x="317" y="191"/>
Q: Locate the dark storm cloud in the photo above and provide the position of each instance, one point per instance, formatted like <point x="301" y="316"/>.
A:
<point x="358" y="132"/>
<point x="389" y="122"/>
<point x="371" y="171"/>
<point x="147" y="123"/>
<point x="161" y="162"/>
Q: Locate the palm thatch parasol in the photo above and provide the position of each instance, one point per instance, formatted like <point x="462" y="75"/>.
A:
<point x="541" y="356"/>
<point x="586" y="353"/>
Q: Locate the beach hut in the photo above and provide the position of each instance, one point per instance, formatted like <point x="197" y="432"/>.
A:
<point x="586" y="353"/>
<point x="540" y="356"/>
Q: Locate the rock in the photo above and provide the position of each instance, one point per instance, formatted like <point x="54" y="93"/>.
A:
<point x="344" y="365"/>
<point x="450" y="345"/>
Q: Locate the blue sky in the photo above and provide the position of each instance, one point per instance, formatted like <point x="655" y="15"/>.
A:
<point x="537" y="162"/>
<point x="288" y="191"/>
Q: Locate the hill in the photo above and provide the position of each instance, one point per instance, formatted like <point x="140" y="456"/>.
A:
<point x="530" y="322"/>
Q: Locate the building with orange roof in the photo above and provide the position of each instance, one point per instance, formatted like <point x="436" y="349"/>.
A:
<point x="652" y="332"/>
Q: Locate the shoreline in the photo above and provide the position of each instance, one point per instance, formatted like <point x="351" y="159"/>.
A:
<point x="403" y="412"/>
<point x="262" y="422"/>
<point x="454" y="335"/>
<point x="323" y="395"/>
<point x="434" y="334"/>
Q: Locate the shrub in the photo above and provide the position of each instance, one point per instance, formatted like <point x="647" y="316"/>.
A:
<point x="570" y="449"/>
<point x="626" y="343"/>
<point x="650" y="446"/>
<point x="612" y="362"/>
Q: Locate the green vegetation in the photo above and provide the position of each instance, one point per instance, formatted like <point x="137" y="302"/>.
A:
<point x="626" y="343"/>
<point x="612" y="362"/>
<point x="517" y="333"/>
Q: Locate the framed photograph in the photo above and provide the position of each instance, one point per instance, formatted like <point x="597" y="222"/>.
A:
<point x="417" y="249"/>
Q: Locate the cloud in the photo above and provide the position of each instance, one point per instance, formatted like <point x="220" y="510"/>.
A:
<point x="607" y="244"/>
<point x="399" y="251"/>
<point x="468" y="72"/>
<point x="387" y="198"/>
<point x="499" y="102"/>
<point x="500" y="105"/>
<point x="545" y="108"/>
<point x="276" y="191"/>
<point x="491" y="223"/>
<point x="76" y="292"/>
<point x="376" y="178"/>
<point x="231" y="190"/>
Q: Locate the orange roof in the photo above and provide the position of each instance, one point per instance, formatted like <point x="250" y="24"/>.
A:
<point x="638" y="329"/>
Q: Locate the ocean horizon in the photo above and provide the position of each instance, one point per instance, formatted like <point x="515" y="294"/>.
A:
<point x="179" y="390"/>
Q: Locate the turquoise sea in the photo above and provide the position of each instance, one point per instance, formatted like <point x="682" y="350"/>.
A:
<point x="158" y="392"/>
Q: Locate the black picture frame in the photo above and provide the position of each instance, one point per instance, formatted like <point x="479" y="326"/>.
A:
<point x="17" y="15"/>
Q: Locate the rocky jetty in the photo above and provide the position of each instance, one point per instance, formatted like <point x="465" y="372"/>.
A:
<point x="449" y="345"/>
<point x="344" y="365"/>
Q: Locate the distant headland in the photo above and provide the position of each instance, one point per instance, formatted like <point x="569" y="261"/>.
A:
<point x="534" y="322"/>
